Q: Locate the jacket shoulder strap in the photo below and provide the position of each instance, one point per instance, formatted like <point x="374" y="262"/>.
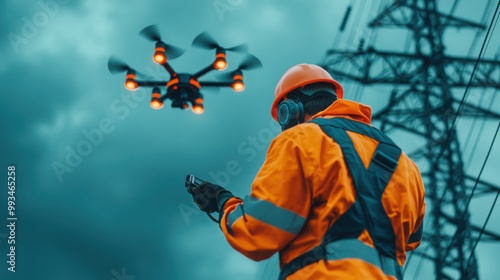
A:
<point x="369" y="183"/>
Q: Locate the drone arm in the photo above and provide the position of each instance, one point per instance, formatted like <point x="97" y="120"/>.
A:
<point x="151" y="83"/>
<point x="204" y="71"/>
<point x="169" y="69"/>
<point x="216" y="84"/>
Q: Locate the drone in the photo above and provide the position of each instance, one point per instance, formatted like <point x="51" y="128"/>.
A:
<point x="184" y="88"/>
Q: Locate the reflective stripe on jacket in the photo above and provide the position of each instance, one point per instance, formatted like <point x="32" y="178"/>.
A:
<point x="304" y="186"/>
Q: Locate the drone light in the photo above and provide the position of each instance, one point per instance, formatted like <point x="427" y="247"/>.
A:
<point x="160" y="57"/>
<point x="199" y="100"/>
<point x="156" y="103"/>
<point x="220" y="62"/>
<point x="185" y="105"/>
<point x="198" y="109"/>
<point x="130" y="82"/>
<point x="238" y="84"/>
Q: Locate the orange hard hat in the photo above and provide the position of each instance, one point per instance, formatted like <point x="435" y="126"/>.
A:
<point x="298" y="76"/>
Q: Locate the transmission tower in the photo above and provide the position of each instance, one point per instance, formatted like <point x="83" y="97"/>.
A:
<point x="423" y="104"/>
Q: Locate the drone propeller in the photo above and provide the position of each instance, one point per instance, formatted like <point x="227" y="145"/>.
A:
<point x="152" y="33"/>
<point x="116" y="66"/>
<point x="206" y="41"/>
<point x="249" y="62"/>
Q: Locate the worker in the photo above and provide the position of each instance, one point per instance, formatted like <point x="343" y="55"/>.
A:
<point x="336" y="197"/>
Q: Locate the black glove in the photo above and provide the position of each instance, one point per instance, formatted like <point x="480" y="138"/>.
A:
<point x="209" y="197"/>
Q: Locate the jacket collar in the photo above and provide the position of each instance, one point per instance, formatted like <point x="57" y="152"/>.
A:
<point x="347" y="109"/>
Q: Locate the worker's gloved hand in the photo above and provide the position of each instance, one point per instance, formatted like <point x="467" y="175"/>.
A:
<point x="210" y="197"/>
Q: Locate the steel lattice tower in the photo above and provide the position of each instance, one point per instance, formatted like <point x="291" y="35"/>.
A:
<point x="423" y="104"/>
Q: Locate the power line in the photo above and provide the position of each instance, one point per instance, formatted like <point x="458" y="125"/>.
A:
<point x="475" y="185"/>
<point x="491" y="102"/>
<point x="484" y="46"/>
<point x="466" y="93"/>
<point x="481" y="128"/>
<point x="486" y="159"/>
<point x="461" y="221"/>
<point x="484" y="19"/>
<point x="483" y="228"/>
<point x="494" y="202"/>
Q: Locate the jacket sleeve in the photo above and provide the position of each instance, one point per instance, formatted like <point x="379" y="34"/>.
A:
<point x="416" y="236"/>
<point x="265" y="221"/>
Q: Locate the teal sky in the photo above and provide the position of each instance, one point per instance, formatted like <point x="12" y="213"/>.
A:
<point x="123" y="205"/>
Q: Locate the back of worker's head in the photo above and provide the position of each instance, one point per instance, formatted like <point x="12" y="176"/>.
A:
<point x="314" y="97"/>
<point x="303" y="89"/>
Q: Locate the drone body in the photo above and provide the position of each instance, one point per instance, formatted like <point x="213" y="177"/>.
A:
<point x="183" y="89"/>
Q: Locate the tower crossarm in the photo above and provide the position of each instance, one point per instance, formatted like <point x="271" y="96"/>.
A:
<point x="400" y="14"/>
<point x="381" y="67"/>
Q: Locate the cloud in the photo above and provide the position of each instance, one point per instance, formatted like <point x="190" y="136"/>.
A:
<point x="87" y="32"/>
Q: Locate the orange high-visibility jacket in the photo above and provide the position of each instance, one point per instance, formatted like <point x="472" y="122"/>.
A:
<point x="302" y="189"/>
